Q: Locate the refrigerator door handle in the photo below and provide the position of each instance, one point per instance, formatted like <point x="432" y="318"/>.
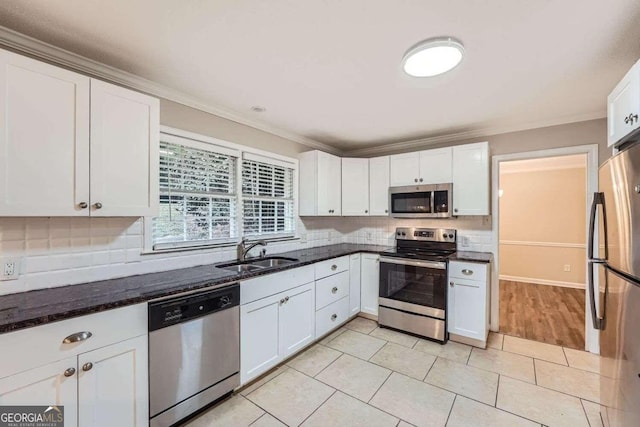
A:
<point x="598" y="199"/>
<point x="598" y="322"/>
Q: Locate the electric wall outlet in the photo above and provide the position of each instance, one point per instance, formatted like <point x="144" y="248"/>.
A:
<point x="303" y="237"/>
<point x="464" y="241"/>
<point x="567" y="267"/>
<point x="10" y="268"/>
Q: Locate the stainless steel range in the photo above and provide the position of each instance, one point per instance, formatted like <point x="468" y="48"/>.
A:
<point x="413" y="282"/>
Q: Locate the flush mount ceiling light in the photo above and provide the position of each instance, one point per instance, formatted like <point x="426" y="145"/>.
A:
<point x="432" y="57"/>
<point x="258" y="109"/>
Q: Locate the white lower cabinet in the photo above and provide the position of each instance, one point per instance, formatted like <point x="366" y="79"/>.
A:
<point x="332" y="316"/>
<point x="468" y="302"/>
<point x="113" y="386"/>
<point x="95" y="366"/>
<point x="354" y="284"/>
<point x="274" y="327"/>
<point x="369" y="283"/>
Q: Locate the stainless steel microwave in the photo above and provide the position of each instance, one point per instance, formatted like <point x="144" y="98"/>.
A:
<point x="421" y="201"/>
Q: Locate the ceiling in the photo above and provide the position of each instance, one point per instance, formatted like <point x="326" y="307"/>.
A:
<point x="330" y="71"/>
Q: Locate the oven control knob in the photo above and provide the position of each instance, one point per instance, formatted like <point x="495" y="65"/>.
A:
<point x="398" y="233"/>
<point x="404" y="234"/>
<point x="444" y="235"/>
<point x="451" y="236"/>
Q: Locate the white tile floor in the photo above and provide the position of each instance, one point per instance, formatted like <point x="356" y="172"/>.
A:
<point x="365" y="376"/>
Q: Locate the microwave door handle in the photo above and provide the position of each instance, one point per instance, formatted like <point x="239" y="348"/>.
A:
<point x="598" y="199"/>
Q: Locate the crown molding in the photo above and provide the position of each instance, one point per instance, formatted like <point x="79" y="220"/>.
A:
<point x="41" y="50"/>
<point x="474" y="133"/>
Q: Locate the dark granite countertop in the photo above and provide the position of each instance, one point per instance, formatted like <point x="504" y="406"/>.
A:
<point x="32" y="308"/>
<point x="484" y="257"/>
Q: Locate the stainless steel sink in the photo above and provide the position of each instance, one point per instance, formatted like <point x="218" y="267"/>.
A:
<point x="257" y="264"/>
<point x="271" y="261"/>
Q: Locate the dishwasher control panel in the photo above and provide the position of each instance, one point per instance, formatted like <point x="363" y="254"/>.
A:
<point x="177" y="310"/>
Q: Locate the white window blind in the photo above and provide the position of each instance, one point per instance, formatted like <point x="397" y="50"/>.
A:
<point x="267" y="197"/>
<point x="198" y="201"/>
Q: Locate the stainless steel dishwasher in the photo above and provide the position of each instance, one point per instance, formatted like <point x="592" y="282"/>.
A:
<point x="194" y="352"/>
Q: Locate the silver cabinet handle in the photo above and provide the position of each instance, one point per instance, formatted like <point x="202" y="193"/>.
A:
<point x="451" y="284"/>
<point x="286" y="299"/>
<point x="83" y="205"/>
<point x="69" y="372"/>
<point x="334" y="317"/>
<point x="467" y="272"/>
<point x="78" y="336"/>
<point x="87" y="366"/>
<point x="334" y="267"/>
<point x="282" y="301"/>
<point x="97" y="205"/>
<point x="334" y="290"/>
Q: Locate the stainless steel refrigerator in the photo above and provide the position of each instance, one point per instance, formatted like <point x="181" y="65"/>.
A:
<point x="614" y="286"/>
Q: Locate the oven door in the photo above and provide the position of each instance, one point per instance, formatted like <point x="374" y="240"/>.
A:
<point x="414" y="286"/>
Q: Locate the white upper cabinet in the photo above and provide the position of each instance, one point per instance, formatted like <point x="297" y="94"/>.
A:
<point x="74" y="146"/>
<point x="624" y="106"/>
<point x="320" y="184"/>
<point x="379" y="186"/>
<point x="471" y="179"/>
<point x="421" y="167"/>
<point x="435" y="166"/>
<point x="404" y="169"/>
<point x="44" y="141"/>
<point x="124" y="151"/>
<point x="355" y="187"/>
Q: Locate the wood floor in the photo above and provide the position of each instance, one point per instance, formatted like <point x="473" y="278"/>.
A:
<point x="549" y="314"/>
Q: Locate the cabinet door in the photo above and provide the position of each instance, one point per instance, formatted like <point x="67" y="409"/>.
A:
<point x="466" y="308"/>
<point x="404" y="169"/>
<point x="297" y="317"/>
<point x="124" y="151"/>
<point x="370" y="283"/>
<point x="259" y="349"/>
<point x="379" y="186"/>
<point x="435" y="166"/>
<point x="46" y="385"/>
<point x="471" y="179"/>
<point x="355" y="187"/>
<point x="44" y="143"/>
<point x="354" y="284"/>
<point x="623" y="102"/>
<point x="329" y="184"/>
<point x="113" y="385"/>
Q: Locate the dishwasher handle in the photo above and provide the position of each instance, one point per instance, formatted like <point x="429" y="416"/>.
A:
<point x="169" y="312"/>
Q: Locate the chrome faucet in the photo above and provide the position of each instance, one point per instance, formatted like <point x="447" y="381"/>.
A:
<point x="243" y="250"/>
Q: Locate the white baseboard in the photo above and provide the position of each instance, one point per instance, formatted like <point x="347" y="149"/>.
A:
<point x="543" y="281"/>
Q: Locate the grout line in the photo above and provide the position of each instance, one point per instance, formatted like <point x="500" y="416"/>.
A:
<point x="469" y="356"/>
<point x="585" y="412"/>
<point x="455" y="396"/>
<point x="430" y="368"/>
<point x="495" y="401"/>
<point x="378" y="351"/>
<point x="319" y="406"/>
<point x="535" y="376"/>
<point x="566" y="359"/>
<point x="256" y="420"/>
<point x="378" y="389"/>
<point x="265" y="412"/>
<point x="323" y="369"/>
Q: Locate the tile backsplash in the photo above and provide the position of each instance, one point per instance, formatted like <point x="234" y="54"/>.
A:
<point x="64" y="251"/>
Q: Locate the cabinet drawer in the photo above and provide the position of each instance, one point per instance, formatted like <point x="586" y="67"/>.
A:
<point x="331" y="289"/>
<point x="331" y="266"/>
<point x="332" y="316"/>
<point x="38" y="346"/>
<point x="264" y="286"/>
<point x="468" y="270"/>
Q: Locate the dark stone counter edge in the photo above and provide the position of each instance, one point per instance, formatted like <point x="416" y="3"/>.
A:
<point x="212" y="283"/>
<point x="482" y="257"/>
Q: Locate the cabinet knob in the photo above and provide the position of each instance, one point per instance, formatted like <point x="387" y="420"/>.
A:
<point x="421" y="179"/>
<point x="83" y="205"/>
<point x="78" y="336"/>
<point x="455" y="209"/>
<point x="97" y="205"/>
<point x="282" y="301"/>
<point x="415" y="180"/>
<point x="386" y="211"/>
<point x="69" y="372"/>
<point x="334" y="290"/>
<point x="87" y="366"/>
<point x="286" y="300"/>
<point x="334" y="317"/>
<point x="366" y="211"/>
<point x="334" y="267"/>
<point x="467" y="272"/>
<point x="451" y="284"/>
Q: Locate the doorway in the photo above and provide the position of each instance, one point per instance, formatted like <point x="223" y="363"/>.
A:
<point x="540" y="236"/>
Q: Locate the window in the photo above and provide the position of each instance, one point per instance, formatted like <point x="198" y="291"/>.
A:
<point x="213" y="192"/>
<point x="197" y="196"/>
<point x="267" y="197"/>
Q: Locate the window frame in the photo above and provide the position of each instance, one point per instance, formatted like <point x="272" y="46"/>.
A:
<point x="203" y="142"/>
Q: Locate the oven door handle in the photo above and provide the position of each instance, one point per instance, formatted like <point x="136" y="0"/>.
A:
<point x="426" y="264"/>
